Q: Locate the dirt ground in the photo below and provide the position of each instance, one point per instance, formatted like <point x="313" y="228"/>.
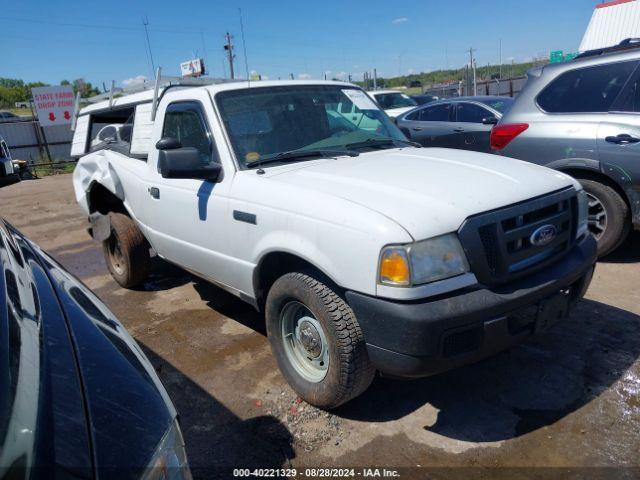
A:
<point x="568" y="399"/>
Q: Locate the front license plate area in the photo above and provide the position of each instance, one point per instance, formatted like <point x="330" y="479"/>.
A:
<point x="551" y="311"/>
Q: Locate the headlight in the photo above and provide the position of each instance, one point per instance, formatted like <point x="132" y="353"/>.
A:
<point x="169" y="461"/>
<point x="423" y="262"/>
<point x="583" y="214"/>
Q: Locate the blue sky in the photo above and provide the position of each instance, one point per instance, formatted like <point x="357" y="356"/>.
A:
<point x="104" y="40"/>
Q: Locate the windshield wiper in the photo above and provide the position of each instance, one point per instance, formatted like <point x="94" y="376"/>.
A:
<point x="381" y="141"/>
<point x="297" y="154"/>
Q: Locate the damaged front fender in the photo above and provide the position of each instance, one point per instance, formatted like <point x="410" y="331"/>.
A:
<point x="95" y="168"/>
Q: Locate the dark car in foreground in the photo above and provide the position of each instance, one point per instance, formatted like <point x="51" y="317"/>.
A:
<point x="462" y="122"/>
<point x="581" y="117"/>
<point x="78" y="397"/>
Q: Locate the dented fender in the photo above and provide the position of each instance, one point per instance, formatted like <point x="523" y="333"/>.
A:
<point x="90" y="169"/>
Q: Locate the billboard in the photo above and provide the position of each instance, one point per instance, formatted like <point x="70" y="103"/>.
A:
<point x="192" y="68"/>
<point x="54" y="105"/>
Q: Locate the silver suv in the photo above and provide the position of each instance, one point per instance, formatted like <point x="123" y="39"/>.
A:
<point x="583" y="118"/>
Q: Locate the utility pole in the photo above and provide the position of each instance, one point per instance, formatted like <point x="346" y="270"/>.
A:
<point x="472" y="66"/>
<point x="229" y="48"/>
<point x="500" y="71"/>
<point x="375" y="79"/>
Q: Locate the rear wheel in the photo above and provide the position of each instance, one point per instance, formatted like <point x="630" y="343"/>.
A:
<point x="126" y="252"/>
<point x="609" y="219"/>
<point x="317" y="341"/>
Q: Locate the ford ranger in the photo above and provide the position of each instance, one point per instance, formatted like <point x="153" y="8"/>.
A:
<point x="366" y="253"/>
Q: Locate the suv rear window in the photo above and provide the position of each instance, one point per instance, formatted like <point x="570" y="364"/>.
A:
<point x="591" y="89"/>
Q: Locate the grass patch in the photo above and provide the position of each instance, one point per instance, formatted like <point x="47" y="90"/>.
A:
<point x="46" y="170"/>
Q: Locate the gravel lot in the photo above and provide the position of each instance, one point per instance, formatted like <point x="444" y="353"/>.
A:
<point x="569" y="399"/>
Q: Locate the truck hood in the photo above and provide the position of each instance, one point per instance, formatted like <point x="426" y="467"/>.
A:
<point x="428" y="191"/>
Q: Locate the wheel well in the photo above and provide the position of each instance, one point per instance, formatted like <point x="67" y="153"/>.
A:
<point x="274" y="265"/>
<point x="581" y="174"/>
<point x="103" y="201"/>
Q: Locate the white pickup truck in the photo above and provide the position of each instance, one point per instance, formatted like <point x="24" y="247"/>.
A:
<point x="365" y="252"/>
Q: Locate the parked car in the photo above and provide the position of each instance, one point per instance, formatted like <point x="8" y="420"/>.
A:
<point x="78" y="397"/>
<point x="581" y="117"/>
<point x="6" y="116"/>
<point x="365" y="252"/>
<point x="423" y="99"/>
<point x="463" y="122"/>
<point x="393" y="102"/>
<point x="8" y="173"/>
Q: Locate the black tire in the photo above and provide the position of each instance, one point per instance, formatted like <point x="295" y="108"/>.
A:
<point x="126" y="252"/>
<point x="618" y="223"/>
<point x="350" y="371"/>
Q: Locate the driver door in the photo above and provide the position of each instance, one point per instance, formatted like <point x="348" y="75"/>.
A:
<point x="187" y="217"/>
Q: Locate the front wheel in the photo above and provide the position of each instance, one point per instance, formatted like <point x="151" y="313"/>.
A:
<point x="317" y="341"/>
<point x="126" y="252"/>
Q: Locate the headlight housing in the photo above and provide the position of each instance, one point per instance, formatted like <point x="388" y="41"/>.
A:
<point x="583" y="214"/>
<point x="422" y="262"/>
<point x="169" y="461"/>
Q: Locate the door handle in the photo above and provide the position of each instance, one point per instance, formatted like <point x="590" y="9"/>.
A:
<point x="154" y="192"/>
<point x="417" y="129"/>
<point x="458" y="129"/>
<point x="622" y="139"/>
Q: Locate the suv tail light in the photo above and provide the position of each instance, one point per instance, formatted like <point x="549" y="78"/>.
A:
<point x="501" y="135"/>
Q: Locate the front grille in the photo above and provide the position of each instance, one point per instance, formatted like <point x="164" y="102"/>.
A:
<point x="499" y="243"/>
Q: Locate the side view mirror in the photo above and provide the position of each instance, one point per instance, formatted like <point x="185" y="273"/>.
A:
<point x="490" y="120"/>
<point x="168" y="143"/>
<point x="186" y="163"/>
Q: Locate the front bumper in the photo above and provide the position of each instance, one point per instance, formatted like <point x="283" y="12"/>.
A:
<point x="425" y="337"/>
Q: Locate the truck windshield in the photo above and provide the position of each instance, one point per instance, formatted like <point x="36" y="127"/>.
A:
<point x="273" y="123"/>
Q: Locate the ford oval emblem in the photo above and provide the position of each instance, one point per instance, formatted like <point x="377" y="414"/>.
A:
<point x="544" y="235"/>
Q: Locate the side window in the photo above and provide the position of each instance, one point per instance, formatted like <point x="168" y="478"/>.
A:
<point x="586" y="90"/>
<point x="471" y="113"/>
<point x="185" y="121"/>
<point x="436" y="113"/>
<point x="413" y="116"/>
<point x="629" y="99"/>
<point x="346" y="107"/>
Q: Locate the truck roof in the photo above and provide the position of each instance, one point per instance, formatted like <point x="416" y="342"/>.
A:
<point x="147" y="95"/>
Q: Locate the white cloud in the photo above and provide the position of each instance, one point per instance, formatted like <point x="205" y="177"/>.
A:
<point x="410" y="71"/>
<point x="304" y="76"/>
<point x="328" y="72"/>
<point x="129" y="82"/>
<point x="399" y="20"/>
<point x="341" y="75"/>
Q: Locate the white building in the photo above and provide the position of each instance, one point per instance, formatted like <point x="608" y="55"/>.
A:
<point x="611" y="23"/>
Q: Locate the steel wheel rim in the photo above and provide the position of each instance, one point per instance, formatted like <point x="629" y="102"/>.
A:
<point x="304" y="341"/>
<point x="597" y="216"/>
<point x="115" y="255"/>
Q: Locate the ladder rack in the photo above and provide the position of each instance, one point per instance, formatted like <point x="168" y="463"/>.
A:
<point x="160" y="82"/>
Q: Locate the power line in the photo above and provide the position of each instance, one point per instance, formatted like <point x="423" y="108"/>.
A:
<point x="145" y="22"/>
<point x="244" y="45"/>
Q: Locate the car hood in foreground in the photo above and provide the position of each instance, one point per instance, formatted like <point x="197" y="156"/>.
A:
<point x="428" y="191"/>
